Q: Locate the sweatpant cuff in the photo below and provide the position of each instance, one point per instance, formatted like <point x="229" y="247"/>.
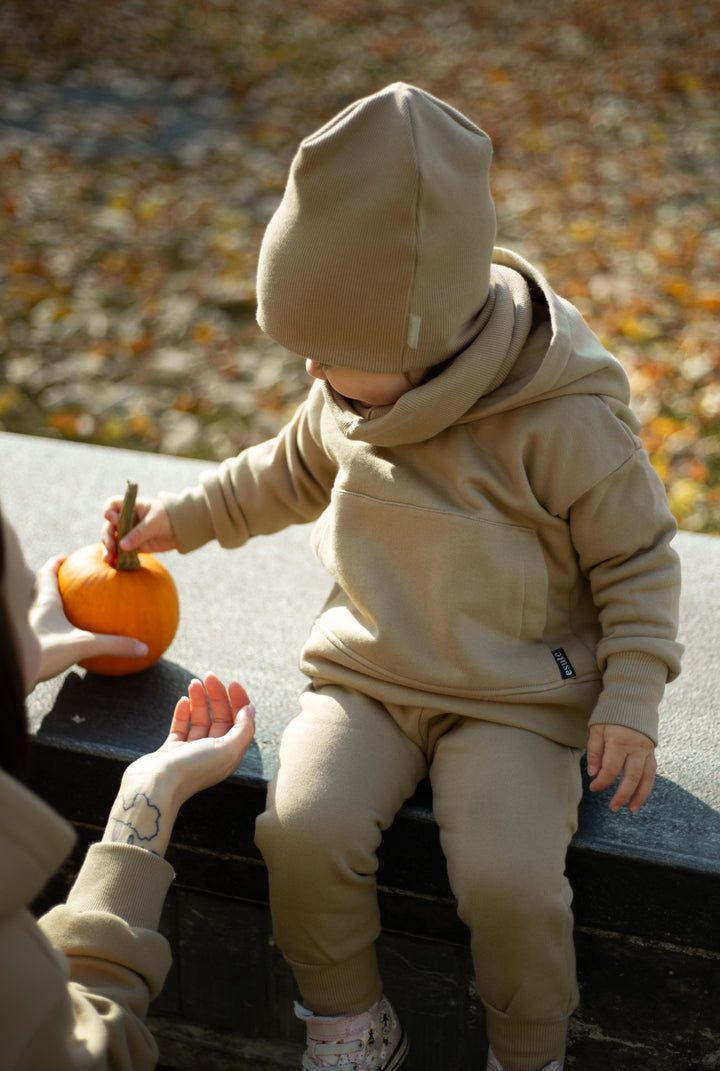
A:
<point x="346" y="988"/>
<point x="522" y="1045"/>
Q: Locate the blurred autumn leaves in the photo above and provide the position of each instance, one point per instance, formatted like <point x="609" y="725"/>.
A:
<point x="141" y="155"/>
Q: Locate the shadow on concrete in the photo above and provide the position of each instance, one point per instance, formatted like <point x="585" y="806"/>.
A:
<point x="122" y="720"/>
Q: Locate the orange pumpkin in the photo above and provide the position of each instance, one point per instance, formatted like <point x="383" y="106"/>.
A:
<point x="136" y="598"/>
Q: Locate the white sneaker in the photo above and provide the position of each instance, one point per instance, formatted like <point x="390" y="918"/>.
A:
<point x="374" y="1039"/>
<point x="494" y="1064"/>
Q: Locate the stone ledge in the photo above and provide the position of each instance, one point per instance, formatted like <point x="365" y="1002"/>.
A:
<point x="648" y="882"/>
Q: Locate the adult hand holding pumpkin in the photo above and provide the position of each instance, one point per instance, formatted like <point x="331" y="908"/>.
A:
<point x="134" y="595"/>
<point x="61" y="643"/>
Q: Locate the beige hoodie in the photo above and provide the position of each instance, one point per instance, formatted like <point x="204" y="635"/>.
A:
<point x="75" y="986"/>
<point x="499" y="541"/>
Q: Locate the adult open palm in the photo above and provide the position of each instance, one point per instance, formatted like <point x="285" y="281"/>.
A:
<point x="211" y="730"/>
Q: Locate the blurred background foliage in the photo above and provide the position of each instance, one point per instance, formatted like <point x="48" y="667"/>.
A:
<point x="144" y="146"/>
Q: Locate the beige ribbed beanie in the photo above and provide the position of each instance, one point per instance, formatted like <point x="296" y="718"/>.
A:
<point x="378" y="257"/>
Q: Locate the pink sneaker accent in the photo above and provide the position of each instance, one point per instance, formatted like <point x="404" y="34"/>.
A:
<point x="493" y="1064"/>
<point x="373" y="1040"/>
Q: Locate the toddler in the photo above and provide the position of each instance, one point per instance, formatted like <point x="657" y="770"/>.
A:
<point x="505" y="593"/>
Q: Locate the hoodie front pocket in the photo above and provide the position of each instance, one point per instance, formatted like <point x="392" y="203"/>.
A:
<point x="445" y="600"/>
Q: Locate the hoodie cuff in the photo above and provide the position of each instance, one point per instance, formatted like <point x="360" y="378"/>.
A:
<point x="190" y="518"/>
<point x="633" y="686"/>
<point x="123" y="880"/>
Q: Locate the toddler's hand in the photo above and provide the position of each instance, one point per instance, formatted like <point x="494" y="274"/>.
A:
<point x="152" y="532"/>
<point x="615" y="749"/>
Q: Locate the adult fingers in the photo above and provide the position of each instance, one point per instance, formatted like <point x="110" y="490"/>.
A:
<point x="50" y="568"/>
<point x="46" y="581"/>
<point x="220" y="705"/>
<point x="200" y="716"/>
<point x="102" y="643"/>
<point x="238" y="737"/>
<point x="225" y="703"/>
<point x="239" y="697"/>
<point x="180" y="724"/>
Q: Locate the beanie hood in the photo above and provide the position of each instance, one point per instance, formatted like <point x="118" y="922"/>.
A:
<point x="379" y="255"/>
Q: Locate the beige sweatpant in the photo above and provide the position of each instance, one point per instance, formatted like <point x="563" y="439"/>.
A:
<point x="505" y="801"/>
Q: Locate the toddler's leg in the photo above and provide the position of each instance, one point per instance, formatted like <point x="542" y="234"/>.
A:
<point x="345" y="769"/>
<point x="506" y="802"/>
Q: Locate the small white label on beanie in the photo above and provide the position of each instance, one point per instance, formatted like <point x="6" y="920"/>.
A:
<point x="413" y="331"/>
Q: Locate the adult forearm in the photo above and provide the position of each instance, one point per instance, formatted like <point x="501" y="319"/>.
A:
<point x="143" y="814"/>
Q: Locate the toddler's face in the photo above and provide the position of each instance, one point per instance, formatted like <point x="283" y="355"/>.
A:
<point x="368" y="388"/>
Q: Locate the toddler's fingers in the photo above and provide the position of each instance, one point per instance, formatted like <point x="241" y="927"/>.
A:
<point x="111" y="509"/>
<point x="135" y="537"/>
<point x="626" y="789"/>
<point x="595" y="746"/>
<point x="608" y="769"/>
<point x="645" y="785"/>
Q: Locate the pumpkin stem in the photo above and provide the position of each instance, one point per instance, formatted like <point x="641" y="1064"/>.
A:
<point x="127" y="559"/>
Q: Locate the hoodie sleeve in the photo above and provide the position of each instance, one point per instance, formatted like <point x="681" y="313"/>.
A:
<point x="588" y="467"/>
<point x="286" y="480"/>
<point x="114" y="959"/>
<point x="622" y="530"/>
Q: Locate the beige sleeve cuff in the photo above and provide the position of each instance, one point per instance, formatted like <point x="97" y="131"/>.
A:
<point x="123" y="880"/>
<point x="190" y="518"/>
<point x="633" y="686"/>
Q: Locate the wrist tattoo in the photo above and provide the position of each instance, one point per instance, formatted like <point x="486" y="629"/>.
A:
<point x="140" y="823"/>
